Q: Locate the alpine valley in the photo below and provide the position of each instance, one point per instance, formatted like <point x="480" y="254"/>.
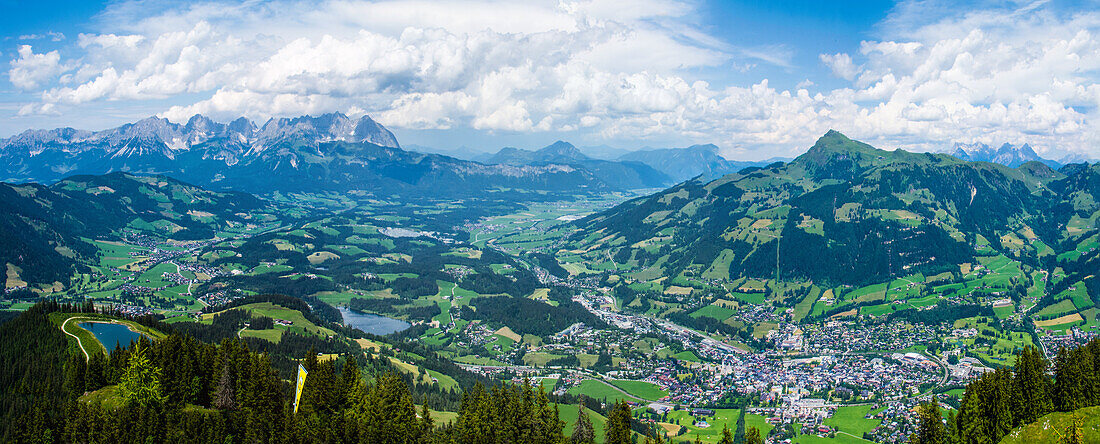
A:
<point x="846" y="295"/>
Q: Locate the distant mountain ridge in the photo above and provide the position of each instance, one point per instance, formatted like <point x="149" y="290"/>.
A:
<point x="622" y="174"/>
<point x="685" y="163"/>
<point x="1008" y="155"/>
<point x="330" y="152"/>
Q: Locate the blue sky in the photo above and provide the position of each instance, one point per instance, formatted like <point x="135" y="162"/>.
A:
<point x="758" y="79"/>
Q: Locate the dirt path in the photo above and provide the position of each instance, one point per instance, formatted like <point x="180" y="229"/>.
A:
<point x="63" y="324"/>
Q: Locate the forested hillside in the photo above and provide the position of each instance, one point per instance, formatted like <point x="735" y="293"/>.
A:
<point x="178" y="389"/>
<point x="45" y="231"/>
<point x="1004" y="403"/>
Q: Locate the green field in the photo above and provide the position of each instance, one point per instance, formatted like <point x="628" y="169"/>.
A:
<point x="596" y="389"/>
<point x="713" y="311"/>
<point x="722" y="418"/>
<point x="851" y="419"/>
<point x="299" y="324"/>
<point x="641" y="389"/>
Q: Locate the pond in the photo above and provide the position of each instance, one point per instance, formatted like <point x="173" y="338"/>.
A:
<point x="111" y="334"/>
<point x="373" y="324"/>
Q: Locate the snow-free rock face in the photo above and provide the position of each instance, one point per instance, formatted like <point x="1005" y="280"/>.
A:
<point x="326" y="128"/>
<point x="1008" y="154"/>
<point x="156" y="145"/>
<point x="158" y="135"/>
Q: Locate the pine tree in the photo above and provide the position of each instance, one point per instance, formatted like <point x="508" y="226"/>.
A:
<point x="931" y="430"/>
<point x="94" y="377"/>
<point x="140" y="383"/>
<point x="426" y="421"/>
<point x="618" y="424"/>
<point x="1032" y="399"/>
<point x="75" y="374"/>
<point x="1073" y="433"/>
<point x="727" y="436"/>
<point x="753" y="436"/>
<point x="583" y="431"/>
<point x="387" y="414"/>
<point x="349" y="378"/>
<point x="474" y="415"/>
<point x="225" y="398"/>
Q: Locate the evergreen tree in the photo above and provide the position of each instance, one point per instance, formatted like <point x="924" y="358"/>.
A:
<point x="1032" y="399"/>
<point x="985" y="414"/>
<point x="931" y="430"/>
<point x="140" y="383"/>
<point x="387" y="414"/>
<point x="618" y="424"/>
<point x="753" y="436"/>
<point x="473" y="425"/>
<point x="583" y="431"/>
<point x="1075" y="379"/>
<point x="1073" y="433"/>
<point x="94" y="377"/>
<point x="349" y="378"/>
<point x="225" y="397"/>
<point x="727" y="436"/>
<point x="75" y="370"/>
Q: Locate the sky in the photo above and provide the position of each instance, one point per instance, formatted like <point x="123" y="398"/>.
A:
<point x="759" y="79"/>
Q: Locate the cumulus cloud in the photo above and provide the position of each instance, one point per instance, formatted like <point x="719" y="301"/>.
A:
<point x="622" y="73"/>
<point x="30" y="70"/>
<point x="841" y="64"/>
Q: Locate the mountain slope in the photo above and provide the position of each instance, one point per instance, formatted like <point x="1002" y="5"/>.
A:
<point x="1055" y="426"/>
<point x="42" y="229"/>
<point x="843" y="213"/>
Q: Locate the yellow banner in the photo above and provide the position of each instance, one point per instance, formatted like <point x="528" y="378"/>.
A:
<point x="301" y="383"/>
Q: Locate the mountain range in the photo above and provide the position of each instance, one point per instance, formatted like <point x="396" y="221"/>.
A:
<point x="331" y="152"/>
<point x="1008" y="154"/>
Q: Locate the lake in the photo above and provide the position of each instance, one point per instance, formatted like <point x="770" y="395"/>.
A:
<point x="111" y="334"/>
<point x="373" y="324"/>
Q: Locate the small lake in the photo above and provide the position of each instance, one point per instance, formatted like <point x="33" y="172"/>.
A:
<point x="371" y="323"/>
<point x="111" y="334"/>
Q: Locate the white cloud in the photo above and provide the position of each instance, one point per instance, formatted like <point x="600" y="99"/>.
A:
<point x="841" y="64"/>
<point x="52" y="36"/>
<point x="610" y="71"/>
<point x="31" y="70"/>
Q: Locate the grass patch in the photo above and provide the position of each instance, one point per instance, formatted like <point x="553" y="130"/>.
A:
<point x="641" y="389"/>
